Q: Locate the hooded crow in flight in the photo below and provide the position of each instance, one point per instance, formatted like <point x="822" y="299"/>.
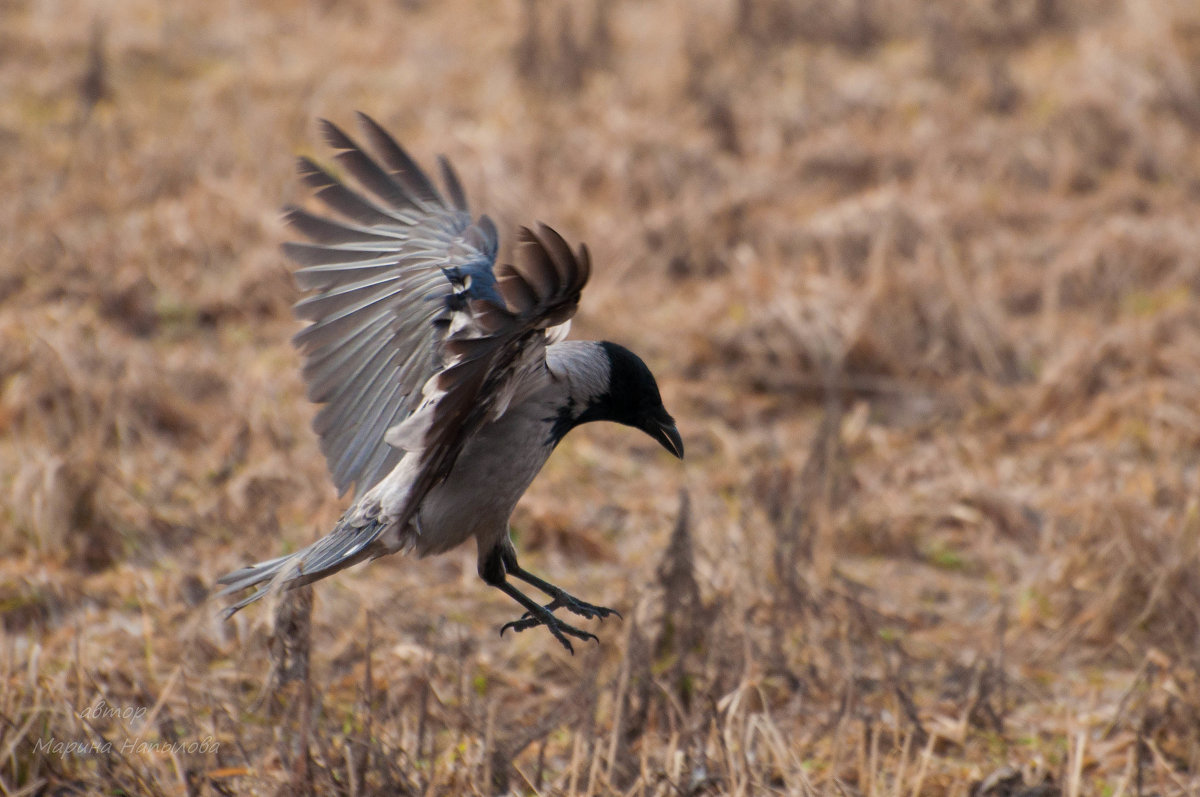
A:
<point x="445" y="380"/>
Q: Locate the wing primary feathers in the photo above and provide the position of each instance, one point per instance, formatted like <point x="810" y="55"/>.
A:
<point x="324" y="231"/>
<point x="341" y="199"/>
<point x="364" y="168"/>
<point x="534" y="264"/>
<point x="585" y="264"/>
<point x="559" y="252"/>
<point x="548" y="277"/>
<point x="403" y="167"/>
<point x="334" y="136"/>
<point x="487" y="228"/>
<point x="306" y="254"/>
<point x="453" y="186"/>
<point x="346" y="300"/>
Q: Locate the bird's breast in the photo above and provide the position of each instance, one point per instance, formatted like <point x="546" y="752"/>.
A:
<point x="490" y="475"/>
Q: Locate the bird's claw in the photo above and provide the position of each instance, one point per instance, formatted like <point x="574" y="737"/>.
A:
<point x="555" y="626"/>
<point x="536" y="614"/>
<point x="584" y="609"/>
<point x="575" y="606"/>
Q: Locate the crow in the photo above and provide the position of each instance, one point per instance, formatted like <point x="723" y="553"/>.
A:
<point x="445" y="380"/>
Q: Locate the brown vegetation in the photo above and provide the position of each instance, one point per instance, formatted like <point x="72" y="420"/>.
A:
<point x="920" y="283"/>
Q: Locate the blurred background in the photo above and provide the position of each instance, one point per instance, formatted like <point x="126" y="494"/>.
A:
<point x="918" y="280"/>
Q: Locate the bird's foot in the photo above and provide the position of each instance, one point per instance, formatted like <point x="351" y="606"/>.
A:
<point x="545" y="616"/>
<point x="562" y="600"/>
<point x="560" y="630"/>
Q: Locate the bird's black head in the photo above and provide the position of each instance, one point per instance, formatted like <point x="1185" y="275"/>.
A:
<point x="633" y="399"/>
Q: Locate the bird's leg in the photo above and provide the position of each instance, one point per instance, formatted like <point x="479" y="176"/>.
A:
<point x="492" y="571"/>
<point x="560" y="598"/>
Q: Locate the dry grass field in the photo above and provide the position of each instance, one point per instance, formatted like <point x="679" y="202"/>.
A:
<point x="919" y="280"/>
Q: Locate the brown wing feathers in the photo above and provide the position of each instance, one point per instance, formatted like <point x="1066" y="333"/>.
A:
<point x="544" y="285"/>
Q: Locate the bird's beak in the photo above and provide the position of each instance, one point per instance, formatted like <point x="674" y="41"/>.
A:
<point x="667" y="434"/>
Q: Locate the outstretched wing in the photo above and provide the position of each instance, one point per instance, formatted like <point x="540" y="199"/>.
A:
<point x="381" y="278"/>
<point x="411" y="329"/>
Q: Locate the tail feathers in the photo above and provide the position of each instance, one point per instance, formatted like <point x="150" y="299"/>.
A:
<point x="346" y="545"/>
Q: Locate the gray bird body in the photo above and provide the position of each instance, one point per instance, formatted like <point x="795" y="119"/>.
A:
<point x="445" y="380"/>
<point x="497" y="464"/>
